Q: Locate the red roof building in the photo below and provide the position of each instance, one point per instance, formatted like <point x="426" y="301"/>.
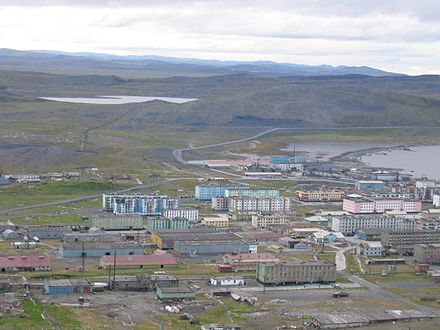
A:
<point x="24" y="263"/>
<point x="139" y="260"/>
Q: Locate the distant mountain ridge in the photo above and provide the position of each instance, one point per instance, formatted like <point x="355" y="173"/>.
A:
<point x="159" y="66"/>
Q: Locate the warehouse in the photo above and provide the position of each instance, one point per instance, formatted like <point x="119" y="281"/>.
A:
<point x="117" y="222"/>
<point x="24" y="263"/>
<point x="68" y="286"/>
<point x="92" y="237"/>
<point x="165" y="239"/>
<point x="247" y="261"/>
<point x="296" y="272"/>
<point x="97" y="250"/>
<point x="138" y="260"/>
<point x="175" y="293"/>
<point x="211" y="247"/>
<point x="48" y="232"/>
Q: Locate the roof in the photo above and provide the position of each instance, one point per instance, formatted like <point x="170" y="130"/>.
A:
<point x="68" y="282"/>
<point x="24" y="261"/>
<point x="372" y="245"/>
<point x="178" y="289"/>
<point x="322" y="234"/>
<point x="135" y="260"/>
<point x="101" y="245"/>
<point x="250" y="257"/>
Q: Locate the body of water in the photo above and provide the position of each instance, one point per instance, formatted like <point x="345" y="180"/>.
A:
<point x="323" y="151"/>
<point x="117" y="99"/>
<point x="418" y="161"/>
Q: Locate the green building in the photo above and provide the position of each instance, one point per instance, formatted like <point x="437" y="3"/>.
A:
<point x="296" y="272"/>
<point x="175" y="293"/>
<point x="160" y="223"/>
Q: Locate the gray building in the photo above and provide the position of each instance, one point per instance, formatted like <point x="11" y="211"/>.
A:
<point x="97" y="250"/>
<point x="48" y="232"/>
<point x="99" y="236"/>
<point x="211" y="247"/>
<point x="117" y="222"/>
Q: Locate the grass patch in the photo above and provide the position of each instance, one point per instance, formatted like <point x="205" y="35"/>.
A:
<point x="55" y="318"/>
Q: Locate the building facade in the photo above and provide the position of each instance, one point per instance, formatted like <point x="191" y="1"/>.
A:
<point x="367" y="206"/>
<point x="409" y="238"/>
<point x="116" y="222"/>
<point x="280" y="273"/>
<point x="427" y="253"/>
<point x="161" y="223"/>
<point x="264" y="221"/>
<point x="68" y="286"/>
<point x="350" y="224"/>
<point x="220" y="222"/>
<point x="192" y="214"/>
<point x="320" y="196"/>
<point x="365" y="185"/>
<point x="97" y="250"/>
<point x="137" y="204"/>
<point x="207" y="192"/>
<point x="251" y="192"/>
<point x="251" y="204"/>
<point x="370" y="249"/>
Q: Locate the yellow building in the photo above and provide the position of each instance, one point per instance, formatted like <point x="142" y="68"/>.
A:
<point x="320" y="196"/>
<point x="222" y="221"/>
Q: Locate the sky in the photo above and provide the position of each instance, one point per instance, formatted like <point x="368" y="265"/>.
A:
<point x="394" y="35"/>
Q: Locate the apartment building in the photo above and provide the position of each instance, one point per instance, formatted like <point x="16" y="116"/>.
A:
<point x="250" y="192"/>
<point x="409" y="238"/>
<point x="320" y="196"/>
<point x="220" y="221"/>
<point x="160" y="223"/>
<point x="220" y="203"/>
<point x="430" y="223"/>
<point x="137" y="204"/>
<point x="251" y="204"/>
<point x="192" y="214"/>
<point x="427" y="253"/>
<point x="267" y="220"/>
<point x="350" y="224"/>
<point x="207" y="192"/>
<point x="357" y="204"/>
<point x="296" y="272"/>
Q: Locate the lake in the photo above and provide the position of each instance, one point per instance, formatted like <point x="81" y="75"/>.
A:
<point x="117" y="99"/>
<point x="418" y="161"/>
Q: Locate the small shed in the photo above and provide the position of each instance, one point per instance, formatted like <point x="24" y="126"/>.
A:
<point x="227" y="281"/>
<point x="175" y="293"/>
<point x="68" y="286"/>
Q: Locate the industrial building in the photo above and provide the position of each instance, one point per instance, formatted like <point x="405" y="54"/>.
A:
<point x="116" y="222"/>
<point x="137" y="204"/>
<point x="252" y="192"/>
<point x="192" y="214"/>
<point x="211" y="247"/>
<point x="409" y="238"/>
<point x="68" y="286"/>
<point x="175" y="293"/>
<point x="296" y="272"/>
<point x="357" y="204"/>
<point x="207" y="192"/>
<point x="320" y="196"/>
<point x="350" y="224"/>
<point x="97" y="250"/>
<point x="161" y="223"/>
<point x="138" y="260"/>
<point x="165" y="239"/>
<point x="251" y="204"/>
<point x="49" y="232"/>
<point x="368" y="234"/>
<point x="247" y="261"/>
<point x="370" y="186"/>
<point x="267" y="220"/>
<point x="227" y="281"/>
<point x="99" y="236"/>
<point x="24" y="263"/>
<point x="427" y="253"/>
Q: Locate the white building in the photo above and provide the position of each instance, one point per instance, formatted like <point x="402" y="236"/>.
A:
<point x="360" y="205"/>
<point x="349" y="224"/>
<point x="220" y="203"/>
<point x="192" y="214"/>
<point x="251" y="192"/>
<point x="370" y="249"/>
<point x="250" y="204"/>
<point x="227" y="281"/>
<point x="436" y="200"/>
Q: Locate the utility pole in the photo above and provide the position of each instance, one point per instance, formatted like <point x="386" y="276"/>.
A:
<point x="83" y="255"/>
<point x="114" y="270"/>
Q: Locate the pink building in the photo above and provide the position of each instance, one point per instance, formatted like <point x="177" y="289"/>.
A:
<point x="357" y="205"/>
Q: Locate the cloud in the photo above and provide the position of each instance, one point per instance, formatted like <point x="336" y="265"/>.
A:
<point x="400" y="35"/>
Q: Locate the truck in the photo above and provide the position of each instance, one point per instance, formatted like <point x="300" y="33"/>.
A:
<point x="340" y="294"/>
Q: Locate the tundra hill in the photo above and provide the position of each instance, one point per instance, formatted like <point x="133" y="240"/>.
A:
<point x="235" y="100"/>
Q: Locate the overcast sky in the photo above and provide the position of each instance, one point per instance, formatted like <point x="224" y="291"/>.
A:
<point x="395" y="35"/>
